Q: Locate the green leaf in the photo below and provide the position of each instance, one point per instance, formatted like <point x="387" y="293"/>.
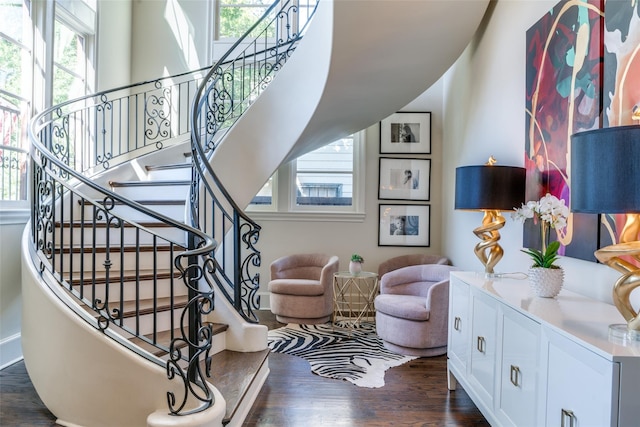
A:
<point x="545" y="259"/>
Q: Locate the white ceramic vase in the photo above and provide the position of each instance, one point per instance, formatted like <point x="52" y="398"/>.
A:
<point x="355" y="267"/>
<point x="546" y="282"/>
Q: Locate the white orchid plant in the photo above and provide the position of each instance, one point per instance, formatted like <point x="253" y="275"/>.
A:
<point x="551" y="213"/>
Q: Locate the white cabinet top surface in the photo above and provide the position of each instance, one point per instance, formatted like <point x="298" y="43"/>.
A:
<point x="569" y="313"/>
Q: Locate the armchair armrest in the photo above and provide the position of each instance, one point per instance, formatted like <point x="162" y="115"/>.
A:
<point x="438" y="297"/>
<point x="326" y="275"/>
<point x="415" y="279"/>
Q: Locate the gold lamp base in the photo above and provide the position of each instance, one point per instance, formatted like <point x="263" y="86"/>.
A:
<point x="488" y="251"/>
<point x="614" y="256"/>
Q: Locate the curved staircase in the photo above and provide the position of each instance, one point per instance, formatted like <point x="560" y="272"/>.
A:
<point x="137" y="280"/>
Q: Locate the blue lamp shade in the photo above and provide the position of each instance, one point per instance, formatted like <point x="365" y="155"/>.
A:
<point x="605" y="170"/>
<point x="485" y="187"/>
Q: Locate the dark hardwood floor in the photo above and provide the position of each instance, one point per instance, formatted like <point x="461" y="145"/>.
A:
<point x="415" y="394"/>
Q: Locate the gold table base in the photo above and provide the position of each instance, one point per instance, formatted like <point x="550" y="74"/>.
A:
<point x="353" y="297"/>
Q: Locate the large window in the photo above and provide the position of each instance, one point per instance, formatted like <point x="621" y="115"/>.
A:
<point x="69" y="64"/>
<point x="68" y="41"/>
<point x="15" y="76"/>
<point x="73" y="40"/>
<point x="324" y="177"/>
<point x="235" y="17"/>
<point x="325" y="180"/>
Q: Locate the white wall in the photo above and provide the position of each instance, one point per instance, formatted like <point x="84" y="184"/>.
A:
<point x="169" y="37"/>
<point x="484" y="115"/>
<point x="113" y="66"/>
<point x="12" y="223"/>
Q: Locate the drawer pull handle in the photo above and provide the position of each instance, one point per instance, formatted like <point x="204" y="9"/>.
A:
<point x="481" y="344"/>
<point x="515" y="375"/>
<point x="567" y="414"/>
<point x="456" y="323"/>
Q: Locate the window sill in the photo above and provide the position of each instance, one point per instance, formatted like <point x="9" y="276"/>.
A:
<point x="14" y="216"/>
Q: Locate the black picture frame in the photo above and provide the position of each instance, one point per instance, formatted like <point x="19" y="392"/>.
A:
<point x="404" y="225"/>
<point x="404" y="179"/>
<point x="406" y="133"/>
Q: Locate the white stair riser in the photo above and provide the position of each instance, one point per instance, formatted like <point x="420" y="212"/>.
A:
<point x="164" y="192"/>
<point x="167" y="174"/>
<point x="127" y="292"/>
<point x="129" y="235"/>
<point x="175" y="212"/>
<point x="145" y="261"/>
<point x="161" y="319"/>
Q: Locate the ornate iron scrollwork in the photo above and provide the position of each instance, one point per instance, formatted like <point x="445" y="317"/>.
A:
<point x="157" y="116"/>
<point x="195" y="336"/>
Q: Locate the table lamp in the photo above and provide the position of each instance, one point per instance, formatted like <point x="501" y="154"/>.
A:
<point x="605" y="175"/>
<point x="490" y="189"/>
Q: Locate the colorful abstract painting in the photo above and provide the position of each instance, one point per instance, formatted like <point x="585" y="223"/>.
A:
<point x="621" y="83"/>
<point x="563" y="96"/>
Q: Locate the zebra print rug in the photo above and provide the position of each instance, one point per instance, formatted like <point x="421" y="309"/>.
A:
<point x="357" y="356"/>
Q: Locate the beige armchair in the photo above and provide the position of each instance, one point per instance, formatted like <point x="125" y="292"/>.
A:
<point x="301" y="288"/>
<point x="412" y="259"/>
<point x="412" y="310"/>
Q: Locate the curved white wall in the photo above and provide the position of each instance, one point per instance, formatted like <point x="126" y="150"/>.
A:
<point x="352" y="69"/>
<point x="83" y="377"/>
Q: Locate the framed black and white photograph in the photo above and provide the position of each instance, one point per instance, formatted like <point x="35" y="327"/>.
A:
<point x="408" y="133"/>
<point x="404" y="179"/>
<point x="404" y="225"/>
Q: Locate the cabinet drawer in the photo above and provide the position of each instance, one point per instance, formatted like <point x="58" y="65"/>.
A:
<point x="459" y="325"/>
<point x="483" y="345"/>
<point x="519" y="369"/>
<point x="581" y="386"/>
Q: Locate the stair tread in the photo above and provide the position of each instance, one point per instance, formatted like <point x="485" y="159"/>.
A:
<point x="164" y="338"/>
<point x="125" y="248"/>
<point x="168" y="166"/>
<point x="146" y="305"/>
<point x="152" y="183"/>
<point x="143" y="202"/>
<point x="90" y="224"/>
<point x="127" y="276"/>
<point x="232" y="373"/>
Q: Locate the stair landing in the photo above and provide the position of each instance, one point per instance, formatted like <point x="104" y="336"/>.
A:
<point x="233" y="374"/>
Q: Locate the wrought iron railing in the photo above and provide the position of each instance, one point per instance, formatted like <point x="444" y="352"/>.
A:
<point x="100" y="249"/>
<point x="13" y="173"/>
<point x="227" y="92"/>
<point x="96" y="247"/>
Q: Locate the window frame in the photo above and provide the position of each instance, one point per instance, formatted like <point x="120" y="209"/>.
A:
<point x="303" y="8"/>
<point x="284" y="202"/>
<point x="36" y="92"/>
<point x="80" y="19"/>
<point x="21" y="111"/>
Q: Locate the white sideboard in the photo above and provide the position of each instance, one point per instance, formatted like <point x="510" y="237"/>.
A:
<point x="529" y="361"/>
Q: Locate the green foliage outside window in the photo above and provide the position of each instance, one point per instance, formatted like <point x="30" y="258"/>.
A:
<point x="10" y="50"/>
<point x="237" y="16"/>
<point x="68" y="81"/>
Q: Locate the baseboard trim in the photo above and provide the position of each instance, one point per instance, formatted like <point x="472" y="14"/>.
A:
<point x="264" y="301"/>
<point x="10" y="350"/>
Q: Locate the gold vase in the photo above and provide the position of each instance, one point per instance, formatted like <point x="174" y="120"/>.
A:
<point x="546" y="282"/>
